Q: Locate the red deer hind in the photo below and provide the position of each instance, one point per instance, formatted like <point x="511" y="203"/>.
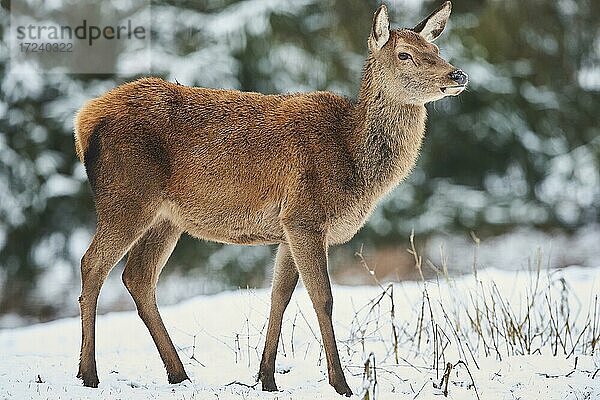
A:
<point x="302" y="171"/>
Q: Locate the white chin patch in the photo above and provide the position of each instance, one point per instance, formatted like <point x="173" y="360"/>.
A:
<point x="453" y="90"/>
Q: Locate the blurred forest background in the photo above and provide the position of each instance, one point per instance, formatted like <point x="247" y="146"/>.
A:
<point x="518" y="154"/>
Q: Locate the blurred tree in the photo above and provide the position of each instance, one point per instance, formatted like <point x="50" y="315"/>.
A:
<point x="520" y="148"/>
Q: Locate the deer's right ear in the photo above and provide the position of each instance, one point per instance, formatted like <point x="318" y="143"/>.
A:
<point x="380" y="32"/>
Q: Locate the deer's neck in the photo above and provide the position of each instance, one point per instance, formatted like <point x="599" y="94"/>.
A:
<point x="387" y="134"/>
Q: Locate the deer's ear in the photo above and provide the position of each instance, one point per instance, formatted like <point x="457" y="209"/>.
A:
<point x="380" y="32"/>
<point x="432" y="26"/>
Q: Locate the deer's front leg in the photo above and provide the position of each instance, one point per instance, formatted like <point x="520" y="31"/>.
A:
<point x="309" y="251"/>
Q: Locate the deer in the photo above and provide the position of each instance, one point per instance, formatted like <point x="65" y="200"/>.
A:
<point x="300" y="171"/>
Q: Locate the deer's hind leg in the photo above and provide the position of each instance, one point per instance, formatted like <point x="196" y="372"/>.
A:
<point x="118" y="227"/>
<point x="285" y="278"/>
<point x="145" y="261"/>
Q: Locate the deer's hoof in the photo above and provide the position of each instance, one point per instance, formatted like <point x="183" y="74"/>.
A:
<point x="268" y="381"/>
<point x="269" y="386"/>
<point x="89" y="380"/>
<point x="178" y="377"/>
<point x="342" y="388"/>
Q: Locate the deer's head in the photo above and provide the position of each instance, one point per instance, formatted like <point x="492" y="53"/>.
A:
<point x="407" y="63"/>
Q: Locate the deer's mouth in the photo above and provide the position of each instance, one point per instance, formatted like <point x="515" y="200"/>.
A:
<point x="453" y="90"/>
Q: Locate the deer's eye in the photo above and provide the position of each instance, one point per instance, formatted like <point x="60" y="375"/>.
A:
<point x="404" y="56"/>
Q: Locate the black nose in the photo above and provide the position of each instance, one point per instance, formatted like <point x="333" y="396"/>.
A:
<point x="458" y="76"/>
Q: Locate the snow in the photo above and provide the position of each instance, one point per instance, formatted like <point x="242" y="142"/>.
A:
<point x="518" y="249"/>
<point x="589" y="78"/>
<point x="220" y="338"/>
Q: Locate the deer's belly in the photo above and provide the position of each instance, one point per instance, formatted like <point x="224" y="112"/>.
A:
<point x="255" y="226"/>
<point x="235" y="226"/>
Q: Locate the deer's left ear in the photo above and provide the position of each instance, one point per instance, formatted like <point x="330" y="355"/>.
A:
<point x="432" y="26"/>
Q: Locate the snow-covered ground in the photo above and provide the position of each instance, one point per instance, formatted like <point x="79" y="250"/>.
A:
<point x="220" y="339"/>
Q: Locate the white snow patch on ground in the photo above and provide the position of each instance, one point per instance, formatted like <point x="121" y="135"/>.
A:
<point x="220" y="339"/>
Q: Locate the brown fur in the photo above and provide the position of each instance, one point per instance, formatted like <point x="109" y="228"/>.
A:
<point x="303" y="171"/>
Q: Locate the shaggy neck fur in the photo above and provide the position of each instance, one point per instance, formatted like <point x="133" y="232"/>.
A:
<point x="387" y="133"/>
